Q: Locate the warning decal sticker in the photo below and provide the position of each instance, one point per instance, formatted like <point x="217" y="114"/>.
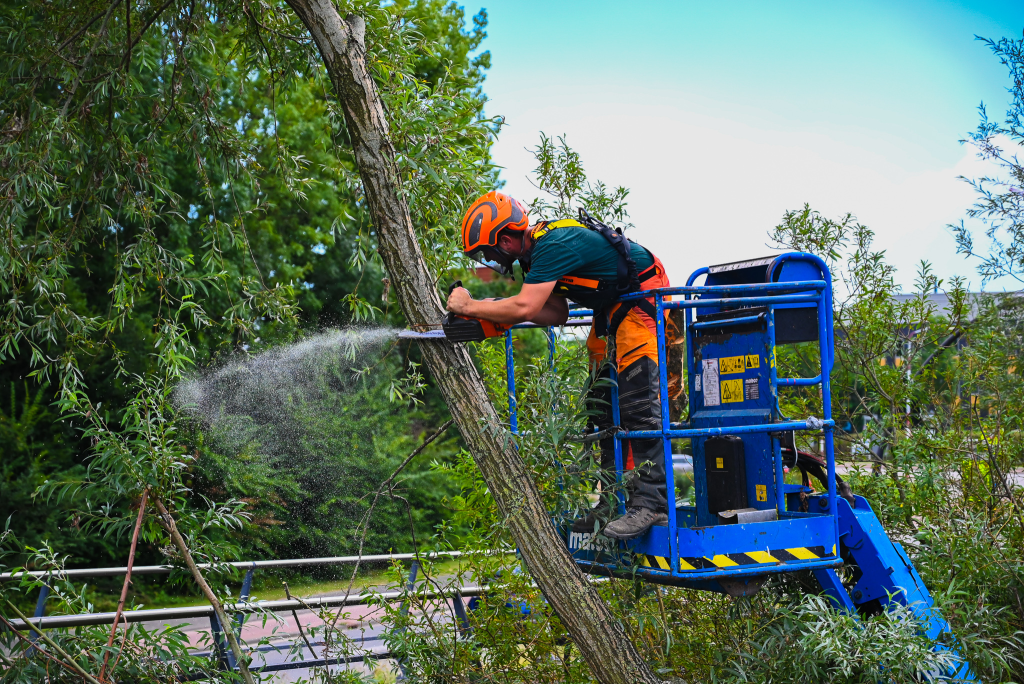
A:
<point x="762" y="492"/>
<point x="710" y="382"/>
<point x="750" y="389"/>
<point x="731" y="364"/>
<point x="753" y="361"/>
<point x="732" y="391"/>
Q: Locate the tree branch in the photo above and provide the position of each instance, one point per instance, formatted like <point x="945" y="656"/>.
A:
<point x="127" y="582"/>
<point x="168" y="522"/>
<point x="87" y="60"/>
<point x="70" y="664"/>
<point x="298" y="624"/>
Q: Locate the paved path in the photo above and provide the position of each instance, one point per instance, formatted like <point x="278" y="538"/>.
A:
<point x="282" y="642"/>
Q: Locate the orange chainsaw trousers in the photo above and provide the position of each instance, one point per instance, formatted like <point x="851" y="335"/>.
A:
<point x="635" y="348"/>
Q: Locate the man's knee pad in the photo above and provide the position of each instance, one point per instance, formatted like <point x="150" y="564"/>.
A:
<point x="599" y="399"/>
<point x="639" y="396"/>
<point x="599" y="407"/>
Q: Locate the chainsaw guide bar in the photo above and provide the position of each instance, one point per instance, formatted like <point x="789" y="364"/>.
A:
<point x="425" y="335"/>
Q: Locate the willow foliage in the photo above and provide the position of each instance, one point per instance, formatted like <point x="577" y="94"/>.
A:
<point x="176" y="183"/>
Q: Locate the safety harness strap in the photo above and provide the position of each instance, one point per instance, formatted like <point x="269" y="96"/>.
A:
<point x="615" y="320"/>
<point x="551" y="225"/>
<point x="627" y="279"/>
<point x="627" y="276"/>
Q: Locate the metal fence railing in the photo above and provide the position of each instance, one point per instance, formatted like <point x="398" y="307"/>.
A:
<point x="243" y="606"/>
<point x="240" y="607"/>
<point x="75" y="573"/>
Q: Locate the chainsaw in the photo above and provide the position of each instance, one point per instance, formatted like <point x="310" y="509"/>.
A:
<point x="455" y="328"/>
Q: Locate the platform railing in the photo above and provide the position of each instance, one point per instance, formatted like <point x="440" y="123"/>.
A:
<point x="770" y="295"/>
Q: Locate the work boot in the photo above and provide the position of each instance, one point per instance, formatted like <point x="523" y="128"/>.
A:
<point x="596" y="518"/>
<point x="636" y="521"/>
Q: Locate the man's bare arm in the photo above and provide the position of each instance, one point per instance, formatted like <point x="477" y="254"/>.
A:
<point x="534" y="303"/>
<point x="555" y="312"/>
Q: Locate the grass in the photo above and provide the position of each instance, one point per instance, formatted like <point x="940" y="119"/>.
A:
<point x="380" y="578"/>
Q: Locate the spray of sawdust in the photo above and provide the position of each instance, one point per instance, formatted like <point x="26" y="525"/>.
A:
<point x="309" y="421"/>
<point x="251" y="400"/>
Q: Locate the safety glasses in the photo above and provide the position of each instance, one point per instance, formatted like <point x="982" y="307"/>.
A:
<point x="493" y="258"/>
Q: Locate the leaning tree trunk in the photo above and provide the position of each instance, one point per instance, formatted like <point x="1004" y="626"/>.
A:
<point x="599" y="636"/>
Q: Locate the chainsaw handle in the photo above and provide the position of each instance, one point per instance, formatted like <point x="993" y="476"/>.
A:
<point x="451" y="288"/>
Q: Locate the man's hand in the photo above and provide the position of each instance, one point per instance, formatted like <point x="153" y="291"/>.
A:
<point x="458" y="300"/>
<point x="533" y="303"/>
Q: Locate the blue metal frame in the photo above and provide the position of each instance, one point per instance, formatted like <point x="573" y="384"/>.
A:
<point x="678" y="541"/>
<point x="240" y="619"/>
<point x="44" y="593"/>
<point x="688" y="552"/>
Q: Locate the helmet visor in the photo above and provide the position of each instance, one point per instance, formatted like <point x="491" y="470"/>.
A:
<point x="493" y="258"/>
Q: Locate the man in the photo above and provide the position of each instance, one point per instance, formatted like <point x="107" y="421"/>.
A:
<point x="589" y="263"/>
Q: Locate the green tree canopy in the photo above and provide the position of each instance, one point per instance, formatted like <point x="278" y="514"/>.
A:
<point x="176" y="188"/>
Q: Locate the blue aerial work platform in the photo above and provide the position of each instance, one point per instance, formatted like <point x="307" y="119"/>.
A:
<point x="747" y="523"/>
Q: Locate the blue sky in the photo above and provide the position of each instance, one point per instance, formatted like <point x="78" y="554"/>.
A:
<point x="720" y="116"/>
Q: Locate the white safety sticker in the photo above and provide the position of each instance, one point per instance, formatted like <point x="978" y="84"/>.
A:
<point x="710" y="381"/>
<point x="751" y="390"/>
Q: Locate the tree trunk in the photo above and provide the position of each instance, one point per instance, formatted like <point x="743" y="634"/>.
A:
<point x="599" y="636"/>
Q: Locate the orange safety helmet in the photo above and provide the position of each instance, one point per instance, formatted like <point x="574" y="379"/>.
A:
<point x="484" y="220"/>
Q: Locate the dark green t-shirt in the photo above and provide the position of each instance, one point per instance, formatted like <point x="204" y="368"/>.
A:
<point x="580" y="253"/>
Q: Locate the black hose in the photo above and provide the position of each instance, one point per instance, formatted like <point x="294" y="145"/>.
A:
<point x="808" y="463"/>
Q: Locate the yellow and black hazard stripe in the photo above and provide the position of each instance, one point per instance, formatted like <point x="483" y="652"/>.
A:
<point x="731" y="560"/>
<point x="655" y="562"/>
